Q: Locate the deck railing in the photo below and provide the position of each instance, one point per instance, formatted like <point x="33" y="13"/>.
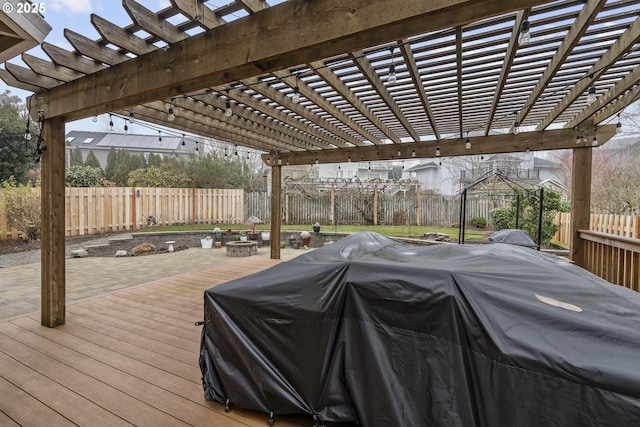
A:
<point x="614" y="258"/>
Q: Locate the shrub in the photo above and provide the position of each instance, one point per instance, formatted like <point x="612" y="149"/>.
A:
<point x="501" y="218"/>
<point x="83" y="176"/>
<point x="22" y="207"/>
<point x="478" y="221"/>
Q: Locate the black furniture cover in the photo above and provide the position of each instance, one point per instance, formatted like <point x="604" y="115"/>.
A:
<point x="392" y="334"/>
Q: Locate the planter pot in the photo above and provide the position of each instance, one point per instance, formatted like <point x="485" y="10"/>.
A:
<point x="206" y="243"/>
<point x="253" y="236"/>
<point x="266" y="236"/>
<point x="243" y="238"/>
<point x="316" y="229"/>
<point x="306" y="241"/>
<point x="295" y="245"/>
<point x="218" y="245"/>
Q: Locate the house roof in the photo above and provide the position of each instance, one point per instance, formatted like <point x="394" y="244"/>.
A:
<point x="422" y="166"/>
<point x="104" y="140"/>
<point x="458" y="70"/>
<point x="540" y="163"/>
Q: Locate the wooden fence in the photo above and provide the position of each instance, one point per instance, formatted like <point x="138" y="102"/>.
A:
<point x="353" y="208"/>
<point x="617" y="225"/>
<point x="109" y="209"/>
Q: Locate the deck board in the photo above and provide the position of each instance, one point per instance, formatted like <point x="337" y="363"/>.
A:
<point x="125" y="358"/>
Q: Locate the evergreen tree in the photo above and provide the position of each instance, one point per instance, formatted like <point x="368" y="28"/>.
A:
<point x="16" y="154"/>
<point x="92" y="161"/>
<point x="75" y="157"/>
<point x="109" y="168"/>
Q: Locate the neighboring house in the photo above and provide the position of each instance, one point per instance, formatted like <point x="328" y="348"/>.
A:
<point x="101" y="142"/>
<point x="433" y="176"/>
<point x="449" y="176"/>
<point x="364" y="171"/>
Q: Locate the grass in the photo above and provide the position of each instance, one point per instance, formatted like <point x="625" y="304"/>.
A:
<point x="387" y="230"/>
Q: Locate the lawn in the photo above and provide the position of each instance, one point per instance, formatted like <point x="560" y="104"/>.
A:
<point x="387" y="230"/>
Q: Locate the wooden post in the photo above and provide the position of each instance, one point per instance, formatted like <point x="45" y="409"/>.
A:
<point x="333" y="206"/>
<point x="636" y="228"/>
<point x="286" y="204"/>
<point x="375" y="205"/>
<point x="52" y="193"/>
<point x="418" y="205"/>
<point x="580" y="202"/>
<point x="276" y="202"/>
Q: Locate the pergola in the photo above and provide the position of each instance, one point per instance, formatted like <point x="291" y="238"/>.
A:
<point x="328" y="81"/>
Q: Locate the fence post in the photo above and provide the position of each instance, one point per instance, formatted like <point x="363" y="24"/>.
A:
<point x="375" y="204"/>
<point x="418" y="206"/>
<point x="636" y="228"/>
<point x="286" y="204"/>
<point x="333" y="204"/>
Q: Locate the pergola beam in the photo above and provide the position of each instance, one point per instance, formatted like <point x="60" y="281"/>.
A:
<point x="493" y="144"/>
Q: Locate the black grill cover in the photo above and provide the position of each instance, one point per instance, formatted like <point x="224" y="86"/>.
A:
<point x="392" y="334"/>
<point x="513" y="237"/>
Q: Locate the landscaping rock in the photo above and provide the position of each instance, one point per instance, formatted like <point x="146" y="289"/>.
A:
<point x="438" y="237"/>
<point x="144" y="248"/>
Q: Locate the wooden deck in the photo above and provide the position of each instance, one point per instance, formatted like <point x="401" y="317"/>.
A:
<point x="127" y="358"/>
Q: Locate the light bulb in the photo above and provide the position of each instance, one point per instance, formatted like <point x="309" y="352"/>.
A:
<point x="126" y="129"/>
<point x="131" y="117"/>
<point x="392" y="74"/>
<point x="595" y="142"/>
<point x="618" y="127"/>
<point x="591" y="95"/>
<point x="438" y="151"/>
<point x="516" y="128"/>
<point x="296" y="95"/>
<point x="170" y="115"/>
<point x="94" y="119"/>
<point x="525" y="35"/>
<point x="467" y="145"/>
<point x="27" y="135"/>
<point x="228" y="112"/>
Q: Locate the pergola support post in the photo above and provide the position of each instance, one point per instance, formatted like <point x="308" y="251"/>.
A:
<point x="276" y="215"/>
<point x="580" y="202"/>
<point x="52" y="232"/>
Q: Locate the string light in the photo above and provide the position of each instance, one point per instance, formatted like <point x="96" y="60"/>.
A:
<point x="228" y="112"/>
<point x="413" y="152"/>
<point x="437" y="151"/>
<point x="392" y="69"/>
<point x="595" y="141"/>
<point x="618" y="125"/>
<point x="182" y="146"/>
<point x="591" y="95"/>
<point x="525" y="33"/>
<point x="516" y="127"/>
<point x="126" y="128"/>
<point x="159" y="136"/>
<point x="94" y="119"/>
<point x="170" y="115"/>
<point x="27" y="132"/>
<point x="110" y="123"/>
<point x="467" y="144"/>
<point x="131" y="117"/>
<point x="296" y="92"/>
